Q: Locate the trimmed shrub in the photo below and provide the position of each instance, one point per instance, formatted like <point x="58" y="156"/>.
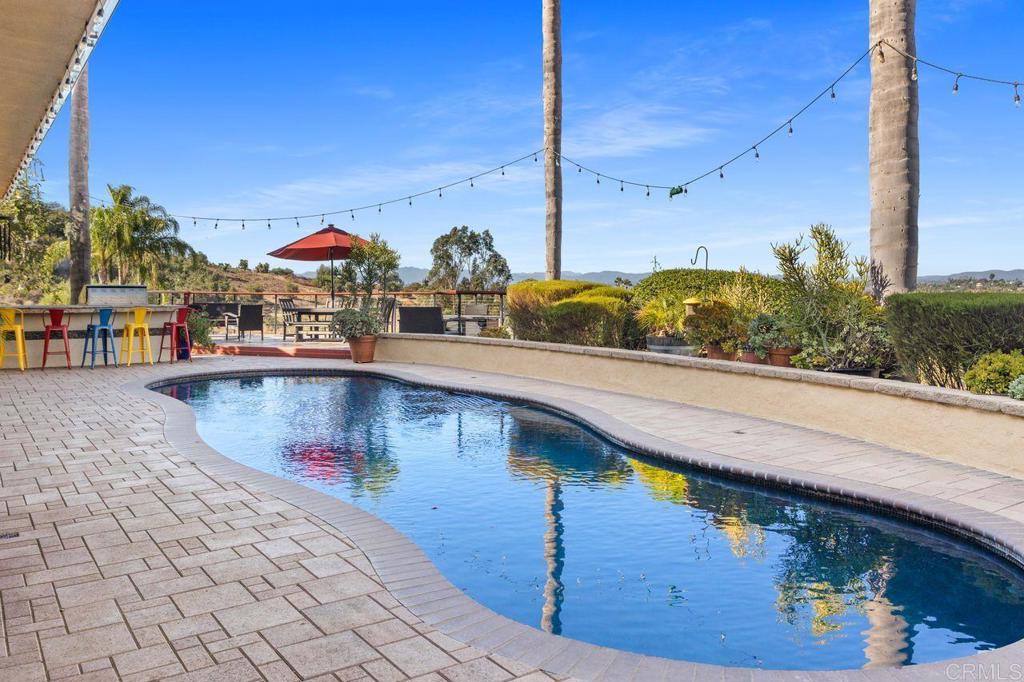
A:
<point x="567" y="311"/>
<point x="939" y="336"/>
<point x="495" y="333"/>
<point x="689" y="282"/>
<point x="993" y="373"/>
<point x="527" y="301"/>
<point x="587" y="321"/>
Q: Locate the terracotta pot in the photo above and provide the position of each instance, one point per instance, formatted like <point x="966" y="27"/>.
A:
<point x="715" y="352"/>
<point x="751" y="357"/>
<point x="362" y="348"/>
<point x="782" y="357"/>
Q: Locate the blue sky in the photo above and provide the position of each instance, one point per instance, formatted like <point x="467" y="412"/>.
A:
<point x="267" y="108"/>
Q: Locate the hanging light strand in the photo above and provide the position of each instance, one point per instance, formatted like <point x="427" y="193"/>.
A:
<point x="673" y="190"/>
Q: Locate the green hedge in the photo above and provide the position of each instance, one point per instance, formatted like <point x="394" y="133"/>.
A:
<point x="939" y="336"/>
<point x="688" y="282"/>
<point x="568" y="311"/>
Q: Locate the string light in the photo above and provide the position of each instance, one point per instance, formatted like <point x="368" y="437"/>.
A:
<point x="353" y="214"/>
<point x="297" y="222"/>
<point x="216" y="223"/>
<point x="721" y="174"/>
<point x="268" y="224"/>
<point x="243" y="224"/>
<point x="833" y="93"/>
<point x="648" y="191"/>
<point x="438" y="192"/>
<point x="956" y="84"/>
<point x="791" y="128"/>
<point x="757" y="154"/>
<point x="1016" y="95"/>
<point x="321" y="219"/>
<point x="378" y="208"/>
<point x="471" y="182"/>
<point x="622" y="186"/>
<point x="913" y="71"/>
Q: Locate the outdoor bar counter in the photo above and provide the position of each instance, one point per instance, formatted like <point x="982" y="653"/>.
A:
<point x="76" y="317"/>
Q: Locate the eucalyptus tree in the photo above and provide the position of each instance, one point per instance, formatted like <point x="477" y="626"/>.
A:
<point x="465" y="258"/>
<point x="79" y="248"/>
<point x="893" y="147"/>
<point x="551" y="21"/>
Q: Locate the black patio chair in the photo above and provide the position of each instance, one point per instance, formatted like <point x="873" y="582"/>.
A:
<point x="249" y="319"/>
<point x="387" y="308"/>
<point x="420" y="320"/>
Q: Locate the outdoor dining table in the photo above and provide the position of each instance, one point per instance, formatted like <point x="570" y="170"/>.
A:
<point x="312" y="314"/>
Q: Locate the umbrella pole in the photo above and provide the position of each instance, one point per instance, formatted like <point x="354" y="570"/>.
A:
<point x="332" y="276"/>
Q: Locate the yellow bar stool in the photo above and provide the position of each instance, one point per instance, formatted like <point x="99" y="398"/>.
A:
<point x="137" y="326"/>
<point x="12" y="321"/>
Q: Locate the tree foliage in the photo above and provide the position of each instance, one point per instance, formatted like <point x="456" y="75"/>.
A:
<point x="37" y="238"/>
<point x="467" y="259"/>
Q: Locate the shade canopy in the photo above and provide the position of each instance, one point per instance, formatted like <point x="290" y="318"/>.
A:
<point x="327" y="244"/>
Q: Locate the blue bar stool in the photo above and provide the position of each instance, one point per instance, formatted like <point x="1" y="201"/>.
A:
<point x="95" y="332"/>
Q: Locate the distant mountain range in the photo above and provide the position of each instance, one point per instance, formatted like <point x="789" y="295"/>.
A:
<point x="1009" y="275"/>
<point x="410" y="275"/>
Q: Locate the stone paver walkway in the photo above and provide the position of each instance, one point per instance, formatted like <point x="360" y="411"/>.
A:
<point x="131" y="561"/>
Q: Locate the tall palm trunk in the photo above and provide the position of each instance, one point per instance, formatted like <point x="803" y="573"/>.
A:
<point x="552" y="30"/>
<point x="78" y="185"/>
<point x="894" y="152"/>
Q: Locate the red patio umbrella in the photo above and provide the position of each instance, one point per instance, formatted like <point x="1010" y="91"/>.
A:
<point x="326" y="244"/>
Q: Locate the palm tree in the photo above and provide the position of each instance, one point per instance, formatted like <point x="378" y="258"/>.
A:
<point x="894" y="152"/>
<point x="78" y="185"/>
<point x="136" y="234"/>
<point x="552" y="31"/>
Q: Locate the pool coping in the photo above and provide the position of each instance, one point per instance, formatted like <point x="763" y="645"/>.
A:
<point x="411" y="577"/>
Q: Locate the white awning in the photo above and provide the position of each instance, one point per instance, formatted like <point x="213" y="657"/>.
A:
<point x="43" y="46"/>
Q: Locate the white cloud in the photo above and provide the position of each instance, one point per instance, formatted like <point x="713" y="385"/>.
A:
<point x="633" y="129"/>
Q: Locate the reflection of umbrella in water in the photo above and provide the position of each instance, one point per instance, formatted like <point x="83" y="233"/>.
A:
<point x="368" y="471"/>
<point x="546" y="447"/>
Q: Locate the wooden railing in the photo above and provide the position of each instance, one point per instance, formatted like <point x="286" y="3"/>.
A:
<point x="450" y="300"/>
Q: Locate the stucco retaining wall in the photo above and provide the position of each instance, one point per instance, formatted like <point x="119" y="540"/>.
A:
<point x="981" y="431"/>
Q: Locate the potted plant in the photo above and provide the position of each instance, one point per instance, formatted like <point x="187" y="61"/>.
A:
<point x="359" y="329"/>
<point x="714" y="328"/>
<point x="771" y="341"/>
<point x="664" y="321"/>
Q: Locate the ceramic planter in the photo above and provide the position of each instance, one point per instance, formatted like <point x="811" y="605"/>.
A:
<point x="752" y="357"/>
<point x="782" y="357"/>
<point x="362" y="348"/>
<point x="715" y="352"/>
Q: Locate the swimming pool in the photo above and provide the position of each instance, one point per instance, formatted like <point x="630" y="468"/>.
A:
<point x="550" y="524"/>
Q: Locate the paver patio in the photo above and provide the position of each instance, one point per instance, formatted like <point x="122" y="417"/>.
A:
<point x="136" y="560"/>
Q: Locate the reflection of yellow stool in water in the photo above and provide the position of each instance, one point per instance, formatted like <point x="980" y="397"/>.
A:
<point x="137" y="326"/>
<point x="12" y="321"/>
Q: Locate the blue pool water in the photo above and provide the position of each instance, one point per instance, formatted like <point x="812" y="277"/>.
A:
<point x="548" y="523"/>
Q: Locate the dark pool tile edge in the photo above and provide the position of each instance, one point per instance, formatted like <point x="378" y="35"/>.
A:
<point x="370" y="533"/>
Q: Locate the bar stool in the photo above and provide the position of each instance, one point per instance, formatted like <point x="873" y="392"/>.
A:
<point x="104" y="330"/>
<point x="56" y="325"/>
<point x="12" y="320"/>
<point x="137" y="326"/>
<point x="180" y="321"/>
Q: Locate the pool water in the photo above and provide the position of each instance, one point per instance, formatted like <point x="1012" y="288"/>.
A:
<point x="548" y="523"/>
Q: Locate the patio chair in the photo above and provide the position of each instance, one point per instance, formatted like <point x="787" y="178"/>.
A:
<point x="220" y="312"/>
<point x="420" y="320"/>
<point x="387" y="308"/>
<point x="249" y="319"/>
<point x="287" y="316"/>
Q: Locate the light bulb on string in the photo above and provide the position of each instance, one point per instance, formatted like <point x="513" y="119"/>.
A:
<point x="471" y="183"/>
<point x="599" y="178"/>
<point x="622" y="186"/>
<point x="579" y="169"/>
<point x="913" y="71"/>
<point x="721" y="173"/>
<point x="193" y="222"/>
<point x="243" y="224"/>
<point x="321" y="218"/>
<point x="410" y="201"/>
<point x="535" y="157"/>
<point x="268" y="224"/>
<point x="296" y="222"/>
<point x="353" y="214"/>
<point x="791" y="128"/>
<point x="833" y="93"/>
<point x="956" y="83"/>
<point x="685" y="191"/>
<point x="757" y="154"/>
<point x="881" y="53"/>
<point x="215" y="224"/>
<point x="1016" y="95"/>
<point x="438" y="192"/>
<point x="648" y="191"/>
<point x="378" y="208"/>
<point x="502" y="170"/>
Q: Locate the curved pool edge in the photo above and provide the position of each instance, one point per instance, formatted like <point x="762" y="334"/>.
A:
<point x="411" y="577"/>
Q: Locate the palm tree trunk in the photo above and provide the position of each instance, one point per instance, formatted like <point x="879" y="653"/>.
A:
<point x="894" y="152"/>
<point x="552" y="30"/>
<point x="78" y="185"/>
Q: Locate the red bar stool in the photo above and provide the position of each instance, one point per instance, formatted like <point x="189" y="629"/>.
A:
<point x="180" y="321"/>
<point x="56" y="325"/>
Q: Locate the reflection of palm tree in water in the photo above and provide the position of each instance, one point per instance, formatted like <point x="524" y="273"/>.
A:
<point x="886" y="638"/>
<point x="554" y="557"/>
<point x="545" y="447"/>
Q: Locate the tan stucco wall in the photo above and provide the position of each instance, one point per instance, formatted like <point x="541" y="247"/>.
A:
<point x="946" y="424"/>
